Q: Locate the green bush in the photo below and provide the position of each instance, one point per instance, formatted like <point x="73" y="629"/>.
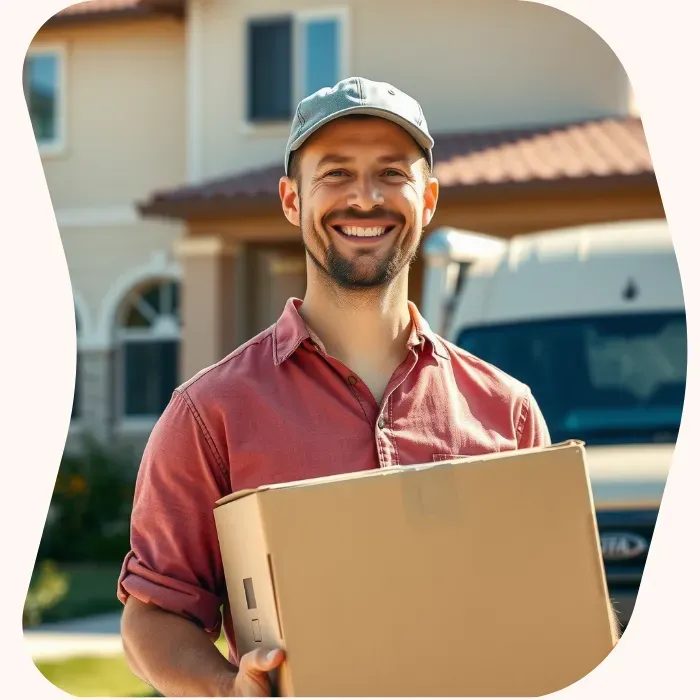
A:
<point x="90" y="509"/>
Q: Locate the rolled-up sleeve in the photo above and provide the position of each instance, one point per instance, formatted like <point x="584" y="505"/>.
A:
<point x="174" y="561"/>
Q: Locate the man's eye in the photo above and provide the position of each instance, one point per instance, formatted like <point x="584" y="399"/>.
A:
<point x="392" y="172"/>
<point x="335" y="173"/>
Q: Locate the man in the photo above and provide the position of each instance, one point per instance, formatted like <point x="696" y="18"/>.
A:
<point x="351" y="379"/>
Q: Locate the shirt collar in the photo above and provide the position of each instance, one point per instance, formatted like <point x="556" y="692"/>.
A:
<point x="290" y="332"/>
<point x="422" y="331"/>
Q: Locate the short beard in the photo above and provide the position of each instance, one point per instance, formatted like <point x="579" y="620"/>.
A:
<point x="344" y="274"/>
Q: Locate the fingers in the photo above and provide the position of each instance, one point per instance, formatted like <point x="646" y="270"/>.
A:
<point x="252" y="679"/>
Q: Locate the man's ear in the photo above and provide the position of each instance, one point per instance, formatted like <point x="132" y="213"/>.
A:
<point x="430" y="199"/>
<point x="289" y="197"/>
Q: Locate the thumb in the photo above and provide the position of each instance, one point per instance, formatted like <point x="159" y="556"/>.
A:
<point x="253" y="670"/>
<point x="266" y="660"/>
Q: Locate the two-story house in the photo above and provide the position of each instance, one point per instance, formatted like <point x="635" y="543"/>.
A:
<point x="163" y="124"/>
<point x="105" y="83"/>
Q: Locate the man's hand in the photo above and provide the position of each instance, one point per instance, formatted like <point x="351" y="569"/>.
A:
<point x="252" y="679"/>
<point x="178" y="658"/>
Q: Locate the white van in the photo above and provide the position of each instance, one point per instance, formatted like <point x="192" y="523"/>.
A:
<point x="592" y="319"/>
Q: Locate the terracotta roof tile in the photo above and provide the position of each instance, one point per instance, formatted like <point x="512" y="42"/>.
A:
<point x="601" y="149"/>
<point x="604" y="148"/>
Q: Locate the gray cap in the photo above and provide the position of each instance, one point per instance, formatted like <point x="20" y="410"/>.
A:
<point x="358" y="96"/>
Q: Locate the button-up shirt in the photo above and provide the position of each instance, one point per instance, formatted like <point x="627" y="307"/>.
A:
<point x="279" y="409"/>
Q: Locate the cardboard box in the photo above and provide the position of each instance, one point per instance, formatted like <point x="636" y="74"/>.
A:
<point x="472" y="577"/>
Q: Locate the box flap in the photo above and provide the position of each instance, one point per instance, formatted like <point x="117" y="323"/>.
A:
<point x="319" y="481"/>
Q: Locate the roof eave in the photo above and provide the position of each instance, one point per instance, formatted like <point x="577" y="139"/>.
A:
<point x="222" y="207"/>
<point x="588" y="185"/>
<point x="209" y="208"/>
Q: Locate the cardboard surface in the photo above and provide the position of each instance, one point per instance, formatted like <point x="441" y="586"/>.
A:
<point x="472" y="577"/>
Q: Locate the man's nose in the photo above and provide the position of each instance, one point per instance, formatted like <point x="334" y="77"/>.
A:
<point x="365" y="194"/>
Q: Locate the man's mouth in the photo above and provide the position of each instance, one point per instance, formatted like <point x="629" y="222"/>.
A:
<point x="364" y="231"/>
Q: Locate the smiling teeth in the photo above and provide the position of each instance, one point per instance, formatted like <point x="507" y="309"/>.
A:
<point x="358" y="231"/>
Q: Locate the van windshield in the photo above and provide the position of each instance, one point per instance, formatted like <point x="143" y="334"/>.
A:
<point x="605" y="380"/>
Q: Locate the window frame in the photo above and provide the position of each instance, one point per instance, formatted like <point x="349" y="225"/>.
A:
<point x="57" y="146"/>
<point x="123" y="335"/>
<point x="298" y="19"/>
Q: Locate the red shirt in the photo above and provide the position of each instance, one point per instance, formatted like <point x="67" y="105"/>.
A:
<point x="280" y="409"/>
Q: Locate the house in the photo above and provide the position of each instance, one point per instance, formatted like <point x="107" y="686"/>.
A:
<point x="105" y="83"/>
<point x="172" y="119"/>
<point x="533" y="116"/>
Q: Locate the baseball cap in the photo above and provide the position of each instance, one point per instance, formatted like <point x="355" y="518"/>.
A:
<point x="358" y="96"/>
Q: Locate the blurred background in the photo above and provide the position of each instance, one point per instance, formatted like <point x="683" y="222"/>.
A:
<point x="161" y="125"/>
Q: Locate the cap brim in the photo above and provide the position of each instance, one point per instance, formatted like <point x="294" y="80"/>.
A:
<point x="425" y="142"/>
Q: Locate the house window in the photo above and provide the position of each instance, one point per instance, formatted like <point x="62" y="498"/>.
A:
<point x="43" y="91"/>
<point x="319" y="60"/>
<point x="150" y="344"/>
<point x="290" y="58"/>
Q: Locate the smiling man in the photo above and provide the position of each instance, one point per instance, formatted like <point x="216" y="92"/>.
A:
<point x="349" y="379"/>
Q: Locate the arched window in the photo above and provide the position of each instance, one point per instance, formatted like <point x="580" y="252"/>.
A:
<point x="149" y="339"/>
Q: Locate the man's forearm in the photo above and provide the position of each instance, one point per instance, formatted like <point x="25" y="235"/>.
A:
<point x="172" y="654"/>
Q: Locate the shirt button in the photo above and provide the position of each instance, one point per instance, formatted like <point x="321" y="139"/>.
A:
<point x="380" y="424"/>
<point x="352" y="380"/>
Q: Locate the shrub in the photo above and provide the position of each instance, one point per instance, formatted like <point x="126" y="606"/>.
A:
<point x="91" y="505"/>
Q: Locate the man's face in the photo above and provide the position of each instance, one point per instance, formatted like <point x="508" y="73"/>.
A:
<point x="361" y="200"/>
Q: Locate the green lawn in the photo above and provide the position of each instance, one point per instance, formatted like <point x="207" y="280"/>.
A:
<point x="92" y="590"/>
<point x="99" y="677"/>
<point x="95" y="678"/>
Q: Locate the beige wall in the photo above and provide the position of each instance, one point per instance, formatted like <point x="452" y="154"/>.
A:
<point x="473" y="64"/>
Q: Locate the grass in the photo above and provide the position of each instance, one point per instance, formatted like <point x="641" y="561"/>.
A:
<point x="92" y="590"/>
<point x="95" y="678"/>
<point x="101" y="677"/>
